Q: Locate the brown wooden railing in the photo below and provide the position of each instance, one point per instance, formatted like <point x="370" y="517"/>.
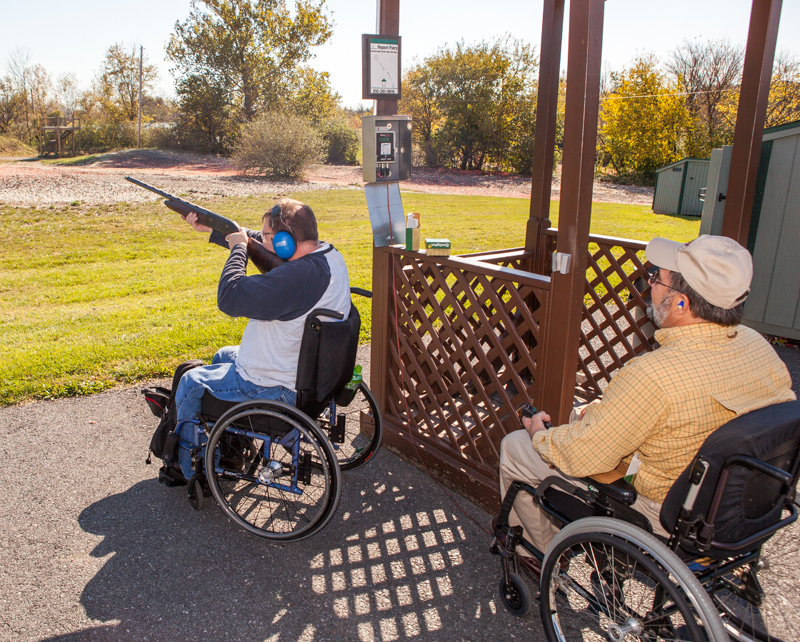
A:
<point x="461" y="345"/>
<point x="462" y="340"/>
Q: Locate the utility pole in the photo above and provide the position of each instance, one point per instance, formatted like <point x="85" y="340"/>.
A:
<point x="139" y="127"/>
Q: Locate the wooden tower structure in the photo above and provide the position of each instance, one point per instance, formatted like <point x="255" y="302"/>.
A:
<point x="56" y="135"/>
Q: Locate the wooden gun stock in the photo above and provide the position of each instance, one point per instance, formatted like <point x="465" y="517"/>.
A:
<point x="262" y="258"/>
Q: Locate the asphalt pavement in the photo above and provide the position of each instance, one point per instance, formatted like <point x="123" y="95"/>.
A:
<point x="94" y="549"/>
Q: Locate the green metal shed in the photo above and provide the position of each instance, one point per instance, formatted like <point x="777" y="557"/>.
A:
<point x="773" y="306"/>
<point x="679" y="185"/>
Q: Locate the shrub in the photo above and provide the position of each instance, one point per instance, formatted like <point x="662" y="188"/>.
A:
<point x="280" y="145"/>
<point x="341" y="141"/>
<point x="10" y="146"/>
<point x="159" y="135"/>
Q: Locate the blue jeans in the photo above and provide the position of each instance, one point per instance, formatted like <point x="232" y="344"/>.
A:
<point x="223" y="382"/>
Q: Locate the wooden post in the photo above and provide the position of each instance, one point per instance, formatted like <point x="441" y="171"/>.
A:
<point x="752" y="111"/>
<point x="388" y="25"/>
<point x="546" y="117"/>
<point x="575" y="210"/>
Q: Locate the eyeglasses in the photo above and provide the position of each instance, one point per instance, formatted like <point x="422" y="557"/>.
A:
<point x="653" y="279"/>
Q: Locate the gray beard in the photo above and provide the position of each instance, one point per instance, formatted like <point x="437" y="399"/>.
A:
<point x="658" y="314"/>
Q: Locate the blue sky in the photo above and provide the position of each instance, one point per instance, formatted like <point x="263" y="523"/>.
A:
<point x="73" y="37"/>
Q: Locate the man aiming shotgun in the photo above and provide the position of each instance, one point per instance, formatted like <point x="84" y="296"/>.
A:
<point x="262" y="258"/>
<point x="300" y="273"/>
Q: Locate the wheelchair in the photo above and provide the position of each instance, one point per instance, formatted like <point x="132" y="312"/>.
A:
<point x="273" y="468"/>
<point x="724" y="573"/>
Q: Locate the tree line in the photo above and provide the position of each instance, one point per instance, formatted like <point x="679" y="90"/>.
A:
<point x="244" y="87"/>
<point x="474" y="106"/>
<point x="239" y="66"/>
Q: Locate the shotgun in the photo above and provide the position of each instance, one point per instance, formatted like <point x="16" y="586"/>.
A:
<point x="262" y="258"/>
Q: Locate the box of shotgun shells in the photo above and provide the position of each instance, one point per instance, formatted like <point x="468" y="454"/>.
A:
<point x="437" y="247"/>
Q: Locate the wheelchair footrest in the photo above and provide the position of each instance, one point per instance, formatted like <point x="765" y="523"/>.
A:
<point x="170" y="477"/>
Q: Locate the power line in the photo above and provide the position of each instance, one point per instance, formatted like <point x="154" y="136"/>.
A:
<point x="687" y="93"/>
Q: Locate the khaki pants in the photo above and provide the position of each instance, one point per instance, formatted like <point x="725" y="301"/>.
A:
<point x="520" y="462"/>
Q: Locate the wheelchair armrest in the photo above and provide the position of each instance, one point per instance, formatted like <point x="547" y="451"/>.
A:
<point x="761" y="466"/>
<point x="361" y="292"/>
<point x="619" y="490"/>
<point x="563" y="484"/>
<point x="324" y="312"/>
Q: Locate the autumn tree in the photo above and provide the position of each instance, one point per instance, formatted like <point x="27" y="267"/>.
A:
<point x="28" y="89"/>
<point x="709" y="74"/>
<point x="117" y="83"/>
<point x="784" y="90"/>
<point x="420" y="101"/>
<point x="254" y="49"/>
<point x="12" y="106"/>
<point x="67" y="94"/>
<point x="207" y="121"/>
<point x="642" y="120"/>
<point x="471" y="103"/>
<point x="309" y="94"/>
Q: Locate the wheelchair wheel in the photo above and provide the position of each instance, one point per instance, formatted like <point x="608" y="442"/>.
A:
<point x="363" y="430"/>
<point x="195" y="493"/>
<point x="516" y="595"/>
<point x="272" y="471"/>
<point x="603" y="579"/>
<point x="759" y="600"/>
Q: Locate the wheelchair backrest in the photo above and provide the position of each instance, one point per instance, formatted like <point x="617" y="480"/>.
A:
<point x="751" y="500"/>
<point x="326" y="361"/>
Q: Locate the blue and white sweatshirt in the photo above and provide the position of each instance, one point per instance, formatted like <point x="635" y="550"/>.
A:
<point x="277" y="304"/>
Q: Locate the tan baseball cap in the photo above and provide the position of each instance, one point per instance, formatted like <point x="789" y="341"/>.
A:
<point x="716" y="267"/>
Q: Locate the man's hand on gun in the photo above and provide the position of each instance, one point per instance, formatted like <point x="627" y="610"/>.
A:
<point x="232" y="239"/>
<point x="236" y="238"/>
<point x="534" y="421"/>
<point x="191" y="219"/>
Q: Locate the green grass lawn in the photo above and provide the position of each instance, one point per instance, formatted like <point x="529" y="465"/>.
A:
<point x="95" y="296"/>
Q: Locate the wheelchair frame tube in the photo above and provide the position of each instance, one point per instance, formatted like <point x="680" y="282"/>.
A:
<point x="268" y="441"/>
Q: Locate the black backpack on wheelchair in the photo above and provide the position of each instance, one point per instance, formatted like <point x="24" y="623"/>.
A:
<point x="728" y="570"/>
<point x="164" y="443"/>
<point x="273" y="468"/>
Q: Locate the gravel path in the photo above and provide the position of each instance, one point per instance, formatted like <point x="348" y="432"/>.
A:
<point x="32" y="183"/>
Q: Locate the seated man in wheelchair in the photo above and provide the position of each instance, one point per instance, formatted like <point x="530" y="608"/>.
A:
<point x="264" y="365"/>
<point x="662" y="405"/>
<point x="267" y="428"/>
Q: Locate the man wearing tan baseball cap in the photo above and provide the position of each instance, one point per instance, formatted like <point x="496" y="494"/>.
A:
<point x="663" y="404"/>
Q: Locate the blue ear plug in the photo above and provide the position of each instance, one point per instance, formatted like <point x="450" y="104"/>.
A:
<point x="284" y="245"/>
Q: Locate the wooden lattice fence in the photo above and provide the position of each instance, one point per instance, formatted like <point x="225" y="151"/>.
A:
<point x="463" y="339"/>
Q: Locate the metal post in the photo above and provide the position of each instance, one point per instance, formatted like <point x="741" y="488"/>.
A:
<point x="580" y="137"/>
<point x="753" y="98"/>
<point x="139" y="127"/>
<point x="388" y="24"/>
<point x="546" y="117"/>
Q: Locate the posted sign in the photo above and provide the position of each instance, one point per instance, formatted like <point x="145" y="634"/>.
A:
<point x="381" y="66"/>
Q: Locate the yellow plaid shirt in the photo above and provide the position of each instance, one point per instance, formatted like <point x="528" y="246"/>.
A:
<point x="663" y="404"/>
